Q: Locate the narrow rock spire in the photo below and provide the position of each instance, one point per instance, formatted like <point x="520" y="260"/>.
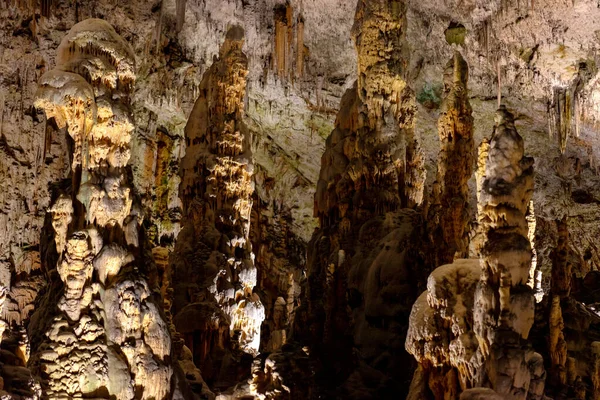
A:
<point x="215" y="306"/>
<point x="455" y="164"/>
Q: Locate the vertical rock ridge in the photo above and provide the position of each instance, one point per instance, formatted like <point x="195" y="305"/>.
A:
<point x="371" y="169"/>
<point x="559" y="291"/>
<point x="476" y="315"/>
<point x="439" y="334"/>
<point x="504" y="303"/>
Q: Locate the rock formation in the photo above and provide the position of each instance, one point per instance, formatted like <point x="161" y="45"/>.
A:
<point x="455" y="165"/>
<point x="105" y="336"/>
<point x="470" y="328"/>
<point x="125" y="273"/>
<point x="504" y="304"/>
<point x="358" y="261"/>
<point x="214" y="275"/>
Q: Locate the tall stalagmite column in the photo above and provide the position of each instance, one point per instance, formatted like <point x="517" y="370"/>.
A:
<point x="214" y="273"/>
<point x="504" y="303"/>
<point x="368" y="166"/>
<point x="371" y="166"/>
<point x="109" y="338"/>
<point x="559" y="291"/>
<point x="455" y="163"/>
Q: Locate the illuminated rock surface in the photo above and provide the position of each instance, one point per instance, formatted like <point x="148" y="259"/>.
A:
<point x="246" y="199"/>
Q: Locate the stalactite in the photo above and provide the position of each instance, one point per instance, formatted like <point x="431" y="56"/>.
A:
<point x="46" y="8"/>
<point x="300" y="47"/>
<point x="158" y="30"/>
<point x="289" y="18"/>
<point x="484" y="35"/>
<point x="281" y="37"/>
<point x="180" y="12"/>
<point x="564" y="113"/>
<point x="499" y="74"/>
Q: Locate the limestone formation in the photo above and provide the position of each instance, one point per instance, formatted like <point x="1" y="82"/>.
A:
<point x="371" y="162"/>
<point x="440" y="333"/>
<point x="107" y="338"/>
<point x="358" y="261"/>
<point x="215" y="306"/>
<point x="504" y="304"/>
<point x="96" y="271"/>
<point x="455" y="164"/>
<point x="476" y="315"/>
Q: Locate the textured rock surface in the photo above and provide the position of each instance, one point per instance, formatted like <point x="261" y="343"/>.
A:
<point x="474" y="320"/>
<point x="107" y="338"/>
<point x="359" y="261"/>
<point x="540" y="55"/>
<point x="504" y="303"/>
<point x="213" y="269"/>
<point x="455" y="165"/>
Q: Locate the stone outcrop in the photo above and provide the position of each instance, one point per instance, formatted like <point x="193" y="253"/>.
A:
<point x="214" y="306"/>
<point x="105" y="336"/>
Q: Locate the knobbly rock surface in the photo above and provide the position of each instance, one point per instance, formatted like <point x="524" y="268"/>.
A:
<point x="92" y="206"/>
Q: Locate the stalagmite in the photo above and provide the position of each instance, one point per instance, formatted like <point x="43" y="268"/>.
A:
<point x="370" y="170"/>
<point x="455" y="164"/>
<point x="214" y="273"/>
<point x="559" y="290"/>
<point x="108" y="338"/>
<point x="476" y="314"/>
<point x="439" y="333"/>
<point x="504" y="304"/>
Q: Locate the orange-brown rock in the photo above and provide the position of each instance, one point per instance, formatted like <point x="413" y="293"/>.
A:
<point x="455" y="165"/>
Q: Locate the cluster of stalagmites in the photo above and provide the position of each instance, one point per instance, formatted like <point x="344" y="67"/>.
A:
<point x="470" y="328"/>
<point x="99" y="331"/>
<point x="106" y="337"/>
<point x="214" y="274"/>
